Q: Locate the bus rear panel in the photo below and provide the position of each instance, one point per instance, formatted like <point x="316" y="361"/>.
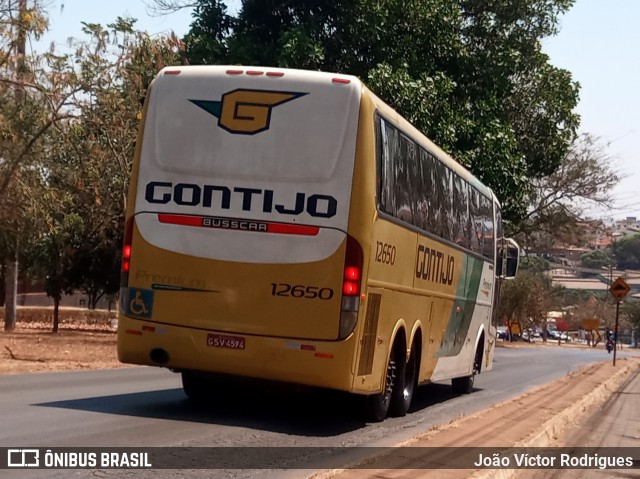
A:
<point x="237" y="258"/>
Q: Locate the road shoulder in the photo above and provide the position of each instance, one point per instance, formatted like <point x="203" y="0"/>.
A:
<point x="533" y="419"/>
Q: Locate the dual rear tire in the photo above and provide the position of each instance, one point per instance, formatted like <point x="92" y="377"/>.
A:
<point x="400" y="383"/>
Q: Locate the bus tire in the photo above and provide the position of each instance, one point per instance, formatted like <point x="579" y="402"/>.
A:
<point x="405" y="385"/>
<point x="463" y="385"/>
<point x="195" y="386"/>
<point x="377" y="405"/>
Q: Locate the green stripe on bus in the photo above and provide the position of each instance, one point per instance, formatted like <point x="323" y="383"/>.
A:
<point x="466" y="294"/>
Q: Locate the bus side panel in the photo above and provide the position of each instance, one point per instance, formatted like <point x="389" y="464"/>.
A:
<point x="412" y="280"/>
<point x="478" y="307"/>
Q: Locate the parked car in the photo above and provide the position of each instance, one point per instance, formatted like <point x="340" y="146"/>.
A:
<point x="503" y="332"/>
<point x="557" y="335"/>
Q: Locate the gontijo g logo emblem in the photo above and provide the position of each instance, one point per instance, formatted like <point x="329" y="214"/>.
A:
<point x="246" y="112"/>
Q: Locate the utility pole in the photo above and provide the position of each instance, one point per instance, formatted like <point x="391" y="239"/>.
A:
<point x="11" y="294"/>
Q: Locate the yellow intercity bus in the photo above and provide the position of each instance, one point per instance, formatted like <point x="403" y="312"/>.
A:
<point x="288" y="225"/>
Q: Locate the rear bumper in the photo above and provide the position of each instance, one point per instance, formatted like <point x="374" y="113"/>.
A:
<point x="327" y="364"/>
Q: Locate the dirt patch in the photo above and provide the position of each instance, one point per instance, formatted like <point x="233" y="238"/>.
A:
<point x="35" y="351"/>
<point x="85" y="340"/>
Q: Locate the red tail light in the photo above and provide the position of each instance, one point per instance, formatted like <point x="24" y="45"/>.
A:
<point x="126" y="258"/>
<point x="350" y="288"/>
<point x="351" y="280"/>
<point x="352" y="268"/>
<point x="126" y="253"/>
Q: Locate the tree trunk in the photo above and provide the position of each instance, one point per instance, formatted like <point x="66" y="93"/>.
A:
<point x="56" y="313"/>
<point x="12" y="273"/>
<point x="3" y="282"/>
<point x="11" y="295"/>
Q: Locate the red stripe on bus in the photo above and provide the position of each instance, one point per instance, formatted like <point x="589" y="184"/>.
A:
<point x="292" y="229"/>
<point x="182" y="220"/>
<point x="276" y="228"/>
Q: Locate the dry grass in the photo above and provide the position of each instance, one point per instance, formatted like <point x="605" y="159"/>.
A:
<point x="72" y="319"/>
<point x="85" y="340"/>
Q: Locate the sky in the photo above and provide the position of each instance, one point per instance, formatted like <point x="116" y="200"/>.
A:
<point x="599" y="43"/>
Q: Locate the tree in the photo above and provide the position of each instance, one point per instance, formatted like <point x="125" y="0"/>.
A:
<point x="631" y="311"/>
<point x="52" y="261"/>
<point x="527" y="299"/>
<point x="583" y="179"/>
<point x="22" y="110"/>
<point x="206" y="39"/>
<point x="627" y="252"/>
<point x="80" y="114"/>
<point x="597" y="259"/>
<point x="533" y="264"/>
<point x="88" y="159"/>
<point x="470" y="74"/>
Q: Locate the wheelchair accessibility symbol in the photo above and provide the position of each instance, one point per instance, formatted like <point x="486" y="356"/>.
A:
<point x="140" y="302"/>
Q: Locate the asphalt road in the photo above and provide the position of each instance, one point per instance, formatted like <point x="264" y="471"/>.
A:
<point x="145" y="407"/>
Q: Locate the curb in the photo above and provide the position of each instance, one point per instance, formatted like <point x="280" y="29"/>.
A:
<point x="563" y="420"/>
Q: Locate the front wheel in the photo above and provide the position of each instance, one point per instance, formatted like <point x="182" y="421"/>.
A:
<point x="463" y="385"/>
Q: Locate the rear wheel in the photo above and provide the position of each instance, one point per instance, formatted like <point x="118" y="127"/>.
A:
<point x="377" y="405"/>
<point x="195" y="386"/>
<point x="402" y="393"/>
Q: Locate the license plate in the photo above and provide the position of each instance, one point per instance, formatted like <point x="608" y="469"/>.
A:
<point x="224" y="341"/>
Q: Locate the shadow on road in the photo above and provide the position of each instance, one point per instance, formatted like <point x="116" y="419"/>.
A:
<point x="310" y="412"/>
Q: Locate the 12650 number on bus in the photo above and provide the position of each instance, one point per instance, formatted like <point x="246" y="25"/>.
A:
<point x="385" y="253"/>
<point x="301" y="291"/>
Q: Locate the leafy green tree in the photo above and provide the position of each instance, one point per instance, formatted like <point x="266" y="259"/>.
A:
<point x="626" y="252"/>
<point x="631" y="310"/>
<point x="51" y="259"/>
<point x="597" y="259"/>
<point x="468" y="73"/>
<point x="533" y="264"/>
<point x="210" y="27"/>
